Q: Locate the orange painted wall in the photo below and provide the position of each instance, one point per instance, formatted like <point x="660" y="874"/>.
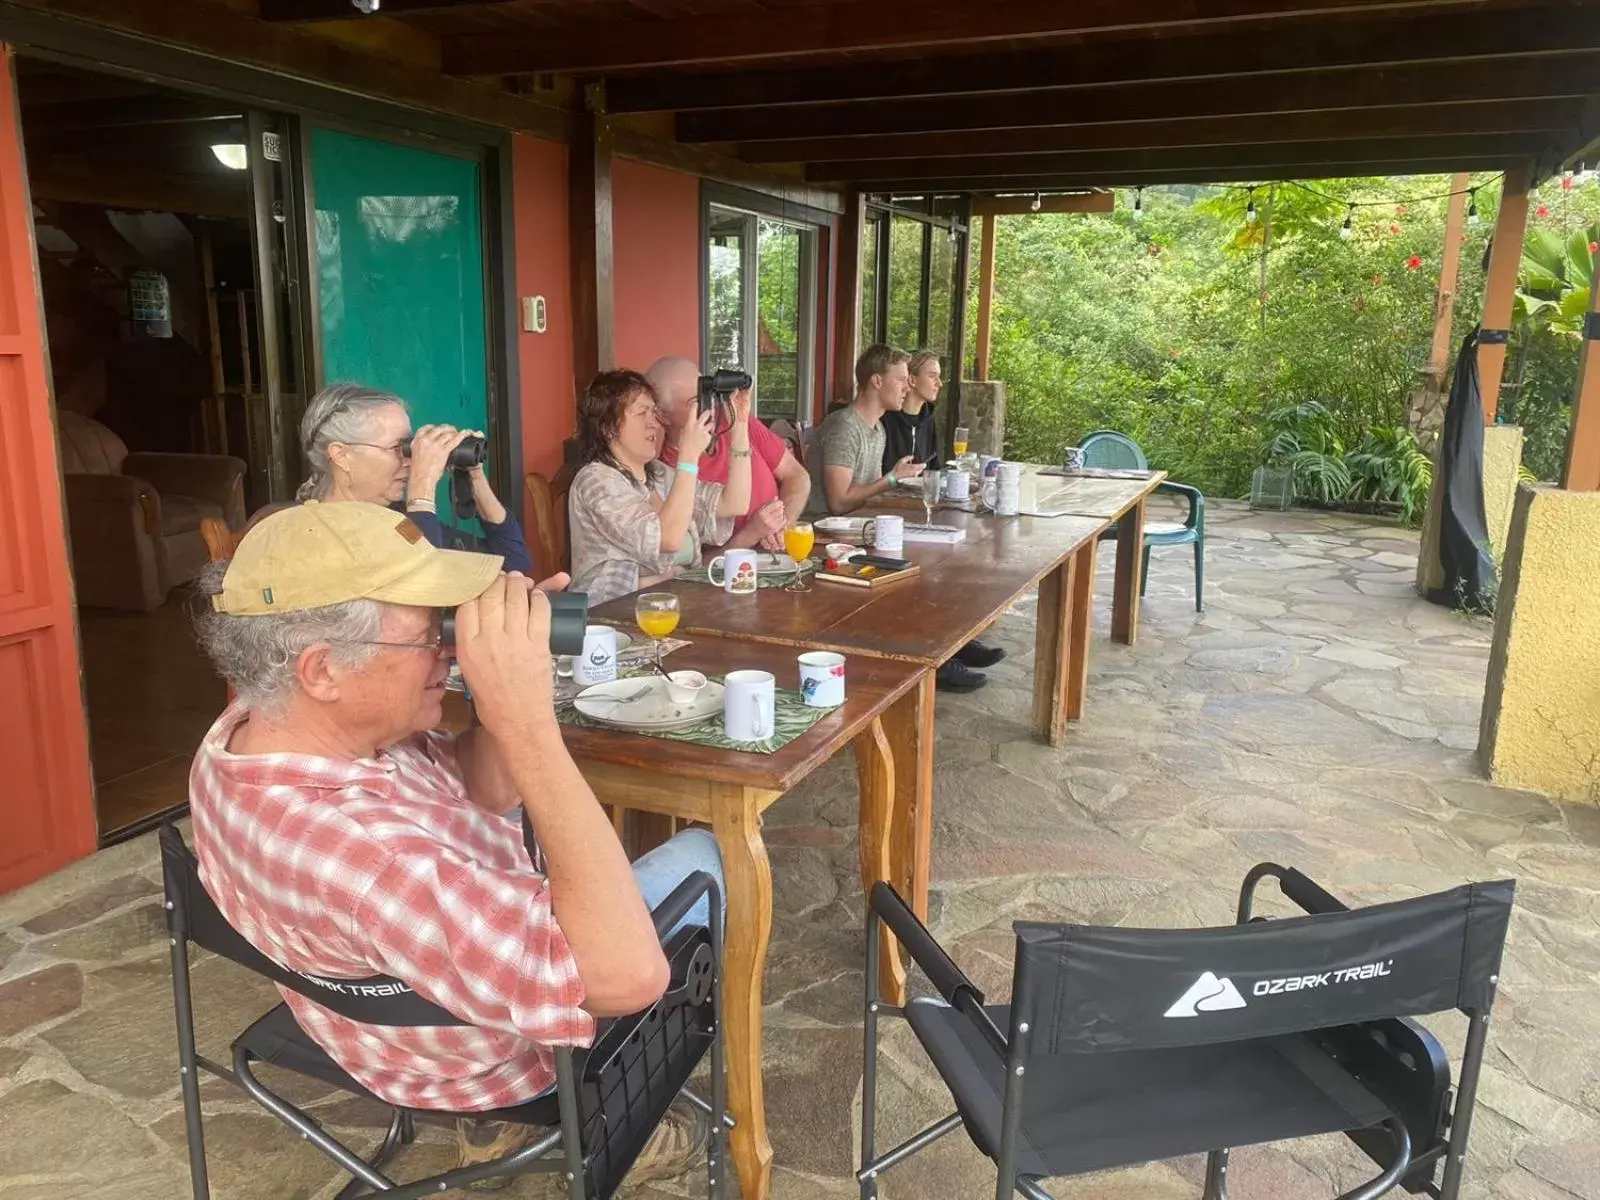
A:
<point x="656" y="244"/>
<point x="544" y="360"/>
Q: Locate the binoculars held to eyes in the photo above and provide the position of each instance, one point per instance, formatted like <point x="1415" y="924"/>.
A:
<point x="719" y="385"/>
<point x="470" y="453"/>
<point x="569" y="617"/>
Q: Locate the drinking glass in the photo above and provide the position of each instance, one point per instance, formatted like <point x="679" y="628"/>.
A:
<point x="797" y="541"/>
<point x="961" y="440"/>
<point x="932" y="483"/>
<point x="657" y="616"/>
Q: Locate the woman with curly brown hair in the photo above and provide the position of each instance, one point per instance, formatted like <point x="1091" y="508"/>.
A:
<point x="634" y="519"/>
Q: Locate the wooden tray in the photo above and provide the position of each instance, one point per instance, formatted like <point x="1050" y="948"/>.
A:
<point x="849" y="574"/>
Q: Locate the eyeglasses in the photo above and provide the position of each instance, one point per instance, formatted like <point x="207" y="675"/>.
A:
<point x="402" y="448"/>
<point x="433" y="645"/>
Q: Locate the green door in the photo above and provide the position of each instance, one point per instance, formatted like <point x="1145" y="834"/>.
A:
<point x="400" y="275"/>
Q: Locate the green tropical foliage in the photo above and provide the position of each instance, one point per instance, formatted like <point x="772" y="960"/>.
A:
<point x="1220" y="344"/>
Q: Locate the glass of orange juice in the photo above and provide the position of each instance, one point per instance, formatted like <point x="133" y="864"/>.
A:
<point x="797" y="541"/>
<point x="960" y="440"/>
<point x="657" y="616"/>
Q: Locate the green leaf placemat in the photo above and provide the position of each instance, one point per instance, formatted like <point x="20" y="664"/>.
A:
<point x="791" y="717"/>
<point x="764" y="579"/>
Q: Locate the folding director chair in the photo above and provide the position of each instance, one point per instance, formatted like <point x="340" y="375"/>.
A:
<point x="1125" y="1046"/>
<point x="607" y="1100"/>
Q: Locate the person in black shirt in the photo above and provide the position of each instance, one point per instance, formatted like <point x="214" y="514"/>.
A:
<point x="911" y="432"/>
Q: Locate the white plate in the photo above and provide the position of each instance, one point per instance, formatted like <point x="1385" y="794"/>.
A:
<point x="653" y="712"/>
<point x="564" y="661"/>
<point x="840" y="525"/>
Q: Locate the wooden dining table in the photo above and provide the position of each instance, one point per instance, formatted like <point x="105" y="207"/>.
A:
<point x="727" y="790"/>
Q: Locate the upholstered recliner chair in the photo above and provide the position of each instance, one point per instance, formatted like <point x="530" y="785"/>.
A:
<point x="135" y="518"/>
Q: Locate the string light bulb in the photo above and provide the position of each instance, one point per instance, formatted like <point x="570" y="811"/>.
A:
<point x="1472" y="207"/>
<point x="1348" y="227"/>
<point x="1038" y="201"/>
<point x="1138" y="204"/>
<point x="1583" y="174"/>
<point x="1250" y="209"/>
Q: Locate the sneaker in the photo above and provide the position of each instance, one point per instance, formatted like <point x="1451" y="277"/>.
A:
<point x="976" y="654"/>
<point x="678" y="1145"/>
<point x="956" y="676"/>
<point x="479" y="1141"/>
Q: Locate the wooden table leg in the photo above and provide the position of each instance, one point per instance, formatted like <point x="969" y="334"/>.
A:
<point x="1125" y="589"/>
<point x="1051" y="646"/>
<point x="875" y="767"/>
<point x="736" y="822"/>
<point x="909" y="725"/>
<point x="1078" y="627"/>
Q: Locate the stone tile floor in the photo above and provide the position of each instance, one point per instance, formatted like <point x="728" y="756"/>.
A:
<point x="1317" y="714"/>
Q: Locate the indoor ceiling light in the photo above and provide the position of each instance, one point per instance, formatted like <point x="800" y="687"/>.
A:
<point x="232" y="155"/>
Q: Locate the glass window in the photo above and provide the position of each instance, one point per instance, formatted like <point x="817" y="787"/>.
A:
<point x="725" y="275"/>
<point x="905" y="283"/>
<point x="779" y="330"/>
<point x="869" y="281"/>
<point x="941" y="292"/>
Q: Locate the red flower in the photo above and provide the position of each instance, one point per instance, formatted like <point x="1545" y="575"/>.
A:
<point x="1399" y="210"/>
<point x="1542" y="211"/>
<point x="1413" y="262"/>
<point x="1394" y="229"/>
<point x="1566" y="182"/>
<point x="1593" y="246"/>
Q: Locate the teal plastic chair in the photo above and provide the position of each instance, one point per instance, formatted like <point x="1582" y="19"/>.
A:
<point x="1107" y="448"/>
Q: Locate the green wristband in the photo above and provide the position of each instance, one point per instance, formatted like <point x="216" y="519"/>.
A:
<point x="689" y="468"/>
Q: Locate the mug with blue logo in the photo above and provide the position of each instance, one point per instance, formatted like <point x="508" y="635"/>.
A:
<point x="597" y="663"/>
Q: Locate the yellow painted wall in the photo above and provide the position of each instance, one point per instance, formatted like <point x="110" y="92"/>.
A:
<point x="1502" y="455"/>
<point x="1541" y="713"/>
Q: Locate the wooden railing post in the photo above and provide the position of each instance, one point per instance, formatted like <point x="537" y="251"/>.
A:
<point x="1500" y="287"/>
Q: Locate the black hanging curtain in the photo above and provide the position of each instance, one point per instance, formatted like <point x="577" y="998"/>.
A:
<point x="1469" y="571"/>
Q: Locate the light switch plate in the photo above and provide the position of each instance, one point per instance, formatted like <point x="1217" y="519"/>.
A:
<point x="534" y="315"/>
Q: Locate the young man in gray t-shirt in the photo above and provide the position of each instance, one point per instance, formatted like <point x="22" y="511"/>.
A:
<point x="847" y="472"/>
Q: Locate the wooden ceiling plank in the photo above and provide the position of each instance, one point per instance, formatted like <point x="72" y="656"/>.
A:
<point x="1508" y="146"/>
<point x="1392" y="40"/>
<point x="1427" y="120"/>
<point x="829" y="29"/>
<point x="1150" y="178"/>
<point x="343" y="10"/>
<point x="1558" y="77"/>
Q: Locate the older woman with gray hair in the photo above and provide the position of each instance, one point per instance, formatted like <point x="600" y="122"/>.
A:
<point x="360" y="445"/>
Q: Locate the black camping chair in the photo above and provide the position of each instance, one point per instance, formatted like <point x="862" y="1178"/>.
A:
<point x="607" y="1100"/>
<point x="1124" y="1046"/>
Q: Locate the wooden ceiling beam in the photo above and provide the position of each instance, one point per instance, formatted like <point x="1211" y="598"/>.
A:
<point x="1392" y="40"/>
<point x="343" y="10"/>
<point x="858" y="25"/>
<point x="1504" y="146"/>
<point x="1556" y="77"/>
<point x="956" y="184"/>
<point x="1426" y="120"/>
<point x="119" y="114"/>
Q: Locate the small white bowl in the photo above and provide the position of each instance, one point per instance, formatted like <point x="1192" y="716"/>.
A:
<point x="684" y="687"/>
<point x="839" y="551"/>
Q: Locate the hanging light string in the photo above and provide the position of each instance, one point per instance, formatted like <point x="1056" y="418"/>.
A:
<point x="1250" y="190"/>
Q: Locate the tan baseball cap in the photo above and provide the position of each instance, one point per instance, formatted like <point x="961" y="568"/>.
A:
<point x="313" y="554"/>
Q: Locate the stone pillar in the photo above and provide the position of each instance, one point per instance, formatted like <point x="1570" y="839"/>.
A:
<point x="1541" y="707"/>
<point x="983" y="412"/>
<point x="1502" y="457"/>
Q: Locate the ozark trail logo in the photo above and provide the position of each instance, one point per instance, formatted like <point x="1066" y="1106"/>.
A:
<point x="1207" y="994"/>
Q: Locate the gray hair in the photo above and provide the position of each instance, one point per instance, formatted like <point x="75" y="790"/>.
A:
<point x="338" y="413"/>
<point x="257" y="655"/>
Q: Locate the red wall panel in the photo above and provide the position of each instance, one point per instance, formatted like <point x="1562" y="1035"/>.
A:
<point x="656" y="214"/>
<point x="543" y="268"/>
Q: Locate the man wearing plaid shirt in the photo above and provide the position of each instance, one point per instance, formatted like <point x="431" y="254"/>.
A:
<point x="342" y="836"/>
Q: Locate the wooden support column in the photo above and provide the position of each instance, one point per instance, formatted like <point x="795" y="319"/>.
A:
<point x="847" y="301"/>
<point x="1581" y="471"/>
<point x="1500" y="287"/>
<point x="589" y="180"/>
<point x="1444" y="304"/>
<point x="986" y="298"/>
<point x="957" y="359"/>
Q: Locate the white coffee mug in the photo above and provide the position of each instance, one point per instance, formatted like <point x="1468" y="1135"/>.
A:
<point x="598" y="662"/>
<point x="1007" y="489"/>
<point x="738" y="568"/>
<point x="748" y="700"/>
<point x="957" y="484"/>
<point x="822" y="679"/>
<point x="886" y="533"/>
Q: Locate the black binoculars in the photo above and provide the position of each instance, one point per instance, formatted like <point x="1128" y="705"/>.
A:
<point x="470" y="453"/>
<point x="569" y="619"/>
<point x="719" y="385"/>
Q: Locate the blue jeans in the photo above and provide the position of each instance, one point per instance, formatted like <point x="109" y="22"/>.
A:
<point x="670" y="863"/>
